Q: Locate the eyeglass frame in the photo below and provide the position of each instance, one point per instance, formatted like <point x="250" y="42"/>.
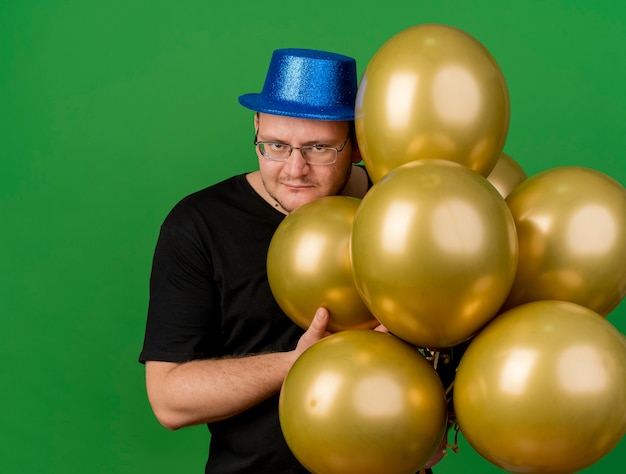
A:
<point x="291" y="148"/>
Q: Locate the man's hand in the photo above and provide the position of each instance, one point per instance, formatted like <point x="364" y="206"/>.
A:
<point x="381" y="328"/>
<point x="315" y="332"/>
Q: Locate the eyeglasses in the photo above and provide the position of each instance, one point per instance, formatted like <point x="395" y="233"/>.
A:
<point x="312" y="154"/>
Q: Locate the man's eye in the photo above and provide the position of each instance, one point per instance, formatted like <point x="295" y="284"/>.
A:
<point x="276" y="146"/>
<point x="319" y="148"/>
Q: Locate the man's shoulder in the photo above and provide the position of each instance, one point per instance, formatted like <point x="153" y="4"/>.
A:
<point x="219" y="190"/>
<point x="233" y="188"/>
<point x="207" y="203"/>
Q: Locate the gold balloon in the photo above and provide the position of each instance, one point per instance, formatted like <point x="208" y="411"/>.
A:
<point x="571" y="226"/>
<point x="360" y="402"/>
<point x="542" y="389"/>
<point x="308" y="265"/>
<point x="433" y="252"/>
<point x="506" y="175"/>
<point x="431" y="91"/>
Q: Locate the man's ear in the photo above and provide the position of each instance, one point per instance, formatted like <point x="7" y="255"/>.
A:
<point x="256" y="122"/>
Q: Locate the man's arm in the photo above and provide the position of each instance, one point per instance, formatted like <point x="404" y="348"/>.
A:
<point x="204" y="391"/>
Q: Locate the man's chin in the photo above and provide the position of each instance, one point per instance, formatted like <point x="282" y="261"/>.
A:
<point x="290" y="204"/>
<point x="288" y="201"/>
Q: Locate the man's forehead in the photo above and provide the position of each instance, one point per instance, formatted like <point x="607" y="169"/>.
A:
<point x="287" y="122"/>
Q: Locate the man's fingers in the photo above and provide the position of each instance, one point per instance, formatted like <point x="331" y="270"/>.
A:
<point x="381" y="328"/>
<point x="315" y="331"/>
<point x="320" y="322"/>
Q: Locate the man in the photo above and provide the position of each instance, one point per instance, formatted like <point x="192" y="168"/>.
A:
<point x="217" y="346"/>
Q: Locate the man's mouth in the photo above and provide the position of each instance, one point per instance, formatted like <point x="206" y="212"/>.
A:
<point x="297" y="186"/>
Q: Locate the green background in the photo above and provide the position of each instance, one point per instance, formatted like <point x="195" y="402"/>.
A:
<point x="111" y="111"/>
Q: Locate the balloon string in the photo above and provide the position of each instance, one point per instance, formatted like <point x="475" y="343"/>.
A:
<point x="435" y="359"/>
<point x="455" y="447"/>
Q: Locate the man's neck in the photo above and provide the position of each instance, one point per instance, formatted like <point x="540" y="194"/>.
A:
<point x="357" y="184"/>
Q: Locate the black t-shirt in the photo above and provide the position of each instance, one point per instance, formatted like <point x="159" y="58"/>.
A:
<point x="209" y="297"/>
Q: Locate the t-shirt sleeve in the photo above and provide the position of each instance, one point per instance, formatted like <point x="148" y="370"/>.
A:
<point x="183" y="320"/>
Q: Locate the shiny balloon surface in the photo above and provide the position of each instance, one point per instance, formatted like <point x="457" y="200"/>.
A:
<point x="431" y="91"/>
<point x="308" y="265"/>
<point x="434" y="252"/>
<point x="360" y="402"/>
<point x="506" y="175"/>
<point x="542" y="389"/>
<point x="571" y="225"/>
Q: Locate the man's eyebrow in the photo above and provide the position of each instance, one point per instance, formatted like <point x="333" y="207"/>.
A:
<point x="273" y="139"/>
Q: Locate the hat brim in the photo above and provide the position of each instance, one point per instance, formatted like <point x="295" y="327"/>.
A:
<point x="258" y="104"/>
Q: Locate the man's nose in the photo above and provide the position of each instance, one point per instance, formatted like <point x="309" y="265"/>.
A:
<point x="296" y="163"/>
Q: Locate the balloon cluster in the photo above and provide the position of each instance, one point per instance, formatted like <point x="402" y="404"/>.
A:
<point x="454" y="246"/>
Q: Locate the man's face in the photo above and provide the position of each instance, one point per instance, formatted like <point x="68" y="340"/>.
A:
<point x="294" y="182"/>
